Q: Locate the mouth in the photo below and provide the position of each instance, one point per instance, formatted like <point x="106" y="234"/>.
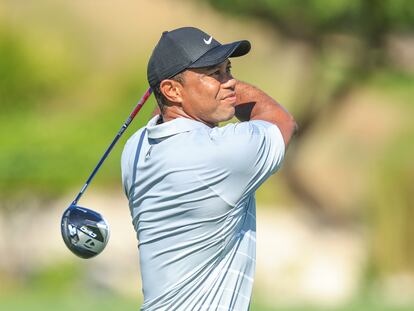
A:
<point x="230" y="97"/>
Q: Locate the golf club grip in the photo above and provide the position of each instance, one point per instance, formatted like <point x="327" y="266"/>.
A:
<point x="120" y="132"/>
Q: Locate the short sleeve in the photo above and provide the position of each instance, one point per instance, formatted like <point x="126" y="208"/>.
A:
<point x="129" y="157"/>
<point x="249" y="153"/>
<point x="126" y="165"/>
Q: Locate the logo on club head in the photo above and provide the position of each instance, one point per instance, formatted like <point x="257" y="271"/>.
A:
<point x="72" y="230"/>
<point x="88" y="232"/>
<point x="89" y="244"/>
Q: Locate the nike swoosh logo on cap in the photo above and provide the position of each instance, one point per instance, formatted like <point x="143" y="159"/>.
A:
<point x="208" y="41"/>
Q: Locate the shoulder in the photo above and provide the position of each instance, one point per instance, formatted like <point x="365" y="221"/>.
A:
<point x="133" y="140"/>
<point x="130" y="147"/>
<point x="243" y="134"/>
<point x="246" y="143"/>
<point x="256" y="127"/>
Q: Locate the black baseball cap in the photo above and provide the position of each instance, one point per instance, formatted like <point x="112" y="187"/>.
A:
<point x="189" y="47"/>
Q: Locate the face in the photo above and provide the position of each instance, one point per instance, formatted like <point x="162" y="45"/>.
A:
<point x="208" y="94"/>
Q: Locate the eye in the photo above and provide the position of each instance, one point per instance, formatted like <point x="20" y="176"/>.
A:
<point x="228" y="69"/>
<point x="215" y="73"/>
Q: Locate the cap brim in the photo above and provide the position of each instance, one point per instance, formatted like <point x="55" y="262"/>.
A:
<point x="220" y="53"/>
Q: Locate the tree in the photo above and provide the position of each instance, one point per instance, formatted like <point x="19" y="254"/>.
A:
<point x="368" y="22"/>
<point x="367" y="25"/>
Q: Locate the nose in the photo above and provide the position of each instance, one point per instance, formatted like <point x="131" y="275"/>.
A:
<point x="228" y="82"/>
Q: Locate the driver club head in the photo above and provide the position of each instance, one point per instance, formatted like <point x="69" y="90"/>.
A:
<point x="84" y="231"/>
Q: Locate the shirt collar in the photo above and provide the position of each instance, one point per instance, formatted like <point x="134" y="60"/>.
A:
<point x="169" y="128"/>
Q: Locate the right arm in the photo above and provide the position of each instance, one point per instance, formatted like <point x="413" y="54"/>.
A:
<point x="254" y="104"/>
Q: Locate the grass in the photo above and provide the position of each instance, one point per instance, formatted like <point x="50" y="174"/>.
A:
<point x="65" y="287"/>
<point x="65" y="301"/>
<point x="86" y="300"/>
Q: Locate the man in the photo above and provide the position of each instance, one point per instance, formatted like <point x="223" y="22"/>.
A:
<point x="191" y="185"/>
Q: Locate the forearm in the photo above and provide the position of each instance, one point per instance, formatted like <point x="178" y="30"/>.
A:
<point x="254" y="104"/>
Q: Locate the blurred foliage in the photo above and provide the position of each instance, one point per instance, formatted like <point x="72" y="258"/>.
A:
<point x="29" y="77"/>
<point x="391" y="207"/>
<point x="46" y="147"/>
<point x="84" y="300"/>
<point x="66" y="286"/>
<point x="361" y="60"/>
<point x="18" y="80"/>
<point x="304" y="18"/>
<point x="61" y="107"/>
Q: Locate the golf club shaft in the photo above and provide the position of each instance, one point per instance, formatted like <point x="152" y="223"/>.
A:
<point x="121" y="131"/>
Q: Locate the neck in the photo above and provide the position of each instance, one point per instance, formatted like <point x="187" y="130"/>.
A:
<point x="173" y="112"/>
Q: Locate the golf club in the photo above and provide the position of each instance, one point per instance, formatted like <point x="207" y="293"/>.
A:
<point x="84" y="231"/>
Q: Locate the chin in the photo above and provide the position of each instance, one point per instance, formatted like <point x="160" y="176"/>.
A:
<point x="224" y="115"/>
<point x="227" y="117"/>
<point x="231" y="113"/>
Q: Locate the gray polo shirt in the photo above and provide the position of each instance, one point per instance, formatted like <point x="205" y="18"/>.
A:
<point x="191" y="191"/>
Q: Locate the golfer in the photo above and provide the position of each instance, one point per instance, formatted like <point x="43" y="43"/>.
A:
<point x="191" y="184"/>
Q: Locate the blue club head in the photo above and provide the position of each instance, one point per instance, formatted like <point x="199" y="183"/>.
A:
<point x="84" y="231"/>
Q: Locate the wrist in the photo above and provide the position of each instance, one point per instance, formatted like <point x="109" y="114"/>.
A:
<point x="246" y="99"/>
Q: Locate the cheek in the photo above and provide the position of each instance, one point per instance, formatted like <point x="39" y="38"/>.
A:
<point x="201" y="95"/>
<point x="209" y="88"/>
<point x="205" y="96"/>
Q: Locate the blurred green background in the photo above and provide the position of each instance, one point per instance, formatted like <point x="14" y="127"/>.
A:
<point x="334" y="225"/>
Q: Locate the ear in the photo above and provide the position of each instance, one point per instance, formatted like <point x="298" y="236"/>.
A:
<point x="171" y="90"/>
